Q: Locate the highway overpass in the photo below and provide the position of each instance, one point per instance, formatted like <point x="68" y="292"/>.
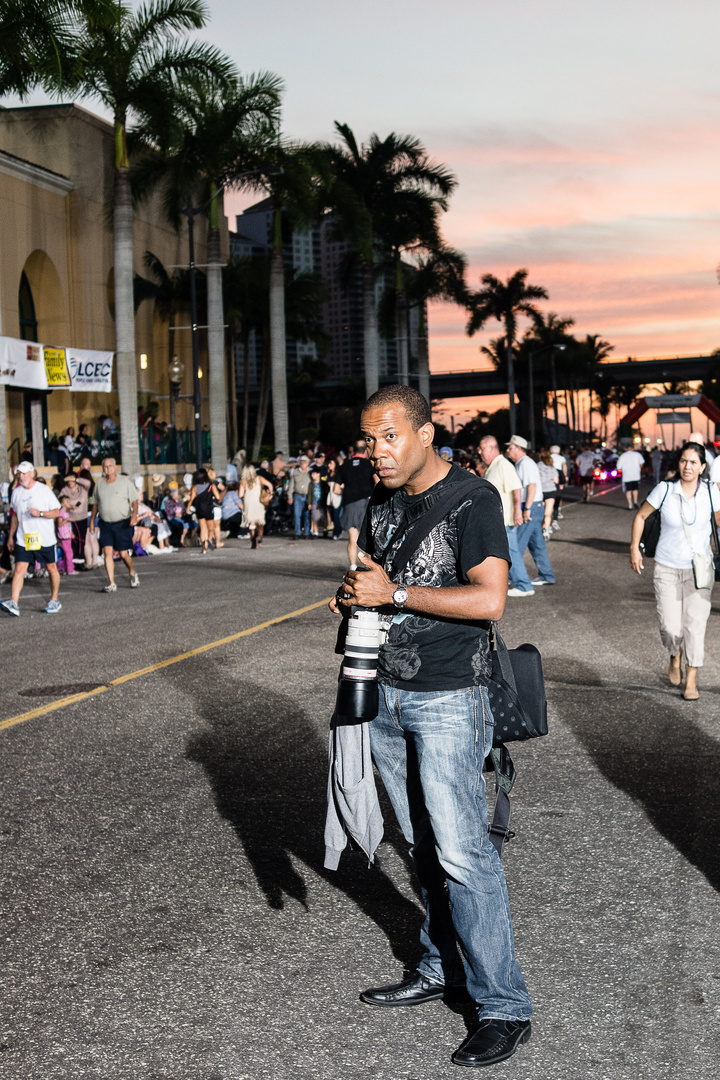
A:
<point x="458" y="384"/>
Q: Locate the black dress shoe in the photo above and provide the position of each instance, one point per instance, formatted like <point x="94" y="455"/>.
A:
<point x="415" y="990"/>
<point x="493" y="1041"/>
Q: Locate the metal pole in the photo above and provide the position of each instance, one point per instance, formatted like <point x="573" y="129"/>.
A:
<point x="532" y="399"/>
<point x="555" y="400"/>
<point x="197" y="399"/>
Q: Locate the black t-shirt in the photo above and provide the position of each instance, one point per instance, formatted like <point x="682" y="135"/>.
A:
<point x="423" y="653"/>
<point x="358" y="476"/>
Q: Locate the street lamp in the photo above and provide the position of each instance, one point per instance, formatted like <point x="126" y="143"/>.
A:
<point x="176" y="370"/>
<point x="191" y="212"/>
<point x="531" y="394"/>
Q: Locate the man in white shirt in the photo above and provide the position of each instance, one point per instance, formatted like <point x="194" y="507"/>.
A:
<point x="32" y="535"/>
<point x="586" y="462"/>
<point x="560" y="464"/>
<point x="529" y="534"/>
<point x="503" y="475"/>
<point x="630" y="465"/>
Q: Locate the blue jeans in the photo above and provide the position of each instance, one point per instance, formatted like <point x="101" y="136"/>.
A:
<point x="302" y="514"/>
<point x="519" y="577"/>
<point x="429" y="749"/>
<point x="529" y="535"/>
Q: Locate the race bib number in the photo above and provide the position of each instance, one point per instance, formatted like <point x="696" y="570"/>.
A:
<point x="32" y="541"/>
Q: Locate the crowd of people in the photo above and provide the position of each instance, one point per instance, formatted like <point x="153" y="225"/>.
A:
<point x="317" y="494"/>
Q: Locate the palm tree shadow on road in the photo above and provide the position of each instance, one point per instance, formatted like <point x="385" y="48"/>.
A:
<point x="655" y="753"/>
<point x="267" y="765"/>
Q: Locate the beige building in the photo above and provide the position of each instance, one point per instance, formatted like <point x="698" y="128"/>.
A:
<point x="56" y="259"/>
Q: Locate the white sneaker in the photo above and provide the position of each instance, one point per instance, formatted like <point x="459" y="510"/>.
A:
<point x="110" y="587"/>
<point x="555" y="527"/>
<point x="521" y="592"/>
<point x="540" y="581"/>
<point x="134" y="581"/>
<point x="547" y="533"/>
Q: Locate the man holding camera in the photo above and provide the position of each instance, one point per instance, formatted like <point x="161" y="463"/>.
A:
<point x="434" y="725"/>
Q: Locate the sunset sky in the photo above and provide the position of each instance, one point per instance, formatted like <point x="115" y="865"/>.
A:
<point x="585" y="138"/>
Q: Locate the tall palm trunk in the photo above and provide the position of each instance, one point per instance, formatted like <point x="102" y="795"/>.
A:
<point x="278" y="357"/>
<point x="217" y="387"/>
<point x="511" y="384"/>
<point x="401" y="335"/>
<point x="246" y="388"/>
<point x="263" y="400"/>
<point x="423" y="352"/>
<point x="126" y="372"/>
<point x="4" y="472"/>
<point x="371" y="336"/>
<point x="232" y="391"/>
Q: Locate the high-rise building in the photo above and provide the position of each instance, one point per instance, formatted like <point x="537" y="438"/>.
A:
<point x="301" y="254"/>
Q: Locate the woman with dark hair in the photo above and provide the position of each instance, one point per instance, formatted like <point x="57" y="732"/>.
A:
<point x="202" y="493"/>
<point x="684" y="571"/>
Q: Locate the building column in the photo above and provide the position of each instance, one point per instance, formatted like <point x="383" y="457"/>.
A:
<point x="4" y="466"/>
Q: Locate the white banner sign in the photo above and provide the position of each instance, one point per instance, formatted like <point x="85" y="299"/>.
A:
<point x="22" y="364"/>
<point x="90" y="369"/>
<point x="673" y="418"/>
<point x="672" y="401"/>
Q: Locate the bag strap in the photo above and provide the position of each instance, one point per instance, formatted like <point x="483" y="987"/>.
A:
<point x="420" y="529"/>
<point x="713" y="523"/>
<point x="498" y="830"/>
<point x="498" y="645"/>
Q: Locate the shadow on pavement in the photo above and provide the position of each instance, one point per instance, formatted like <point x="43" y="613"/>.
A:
<point x="267" y="766"/>
<point x="614" y="547"/>
<point x="653" y="751"/>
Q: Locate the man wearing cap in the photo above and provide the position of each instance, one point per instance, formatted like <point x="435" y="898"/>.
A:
<point x="503" y="475"/>
<point x="115" y="501"/>
<point x="356" y="479"/>
<point x="529" y="534"/>
<point x="300" y="481"/>
<point x="32" y="535"/>
<point x="446" y="453"/>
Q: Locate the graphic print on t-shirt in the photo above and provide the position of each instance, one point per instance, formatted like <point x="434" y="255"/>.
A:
<point x="423" y="653"/>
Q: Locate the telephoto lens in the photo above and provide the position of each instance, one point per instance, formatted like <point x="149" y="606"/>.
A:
<point x="357" y="696"/>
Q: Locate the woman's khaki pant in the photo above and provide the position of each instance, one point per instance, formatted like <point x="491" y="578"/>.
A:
<point x="683" y="611"/>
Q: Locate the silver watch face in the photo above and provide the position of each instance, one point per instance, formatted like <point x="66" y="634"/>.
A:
<point x="400" y="595"/>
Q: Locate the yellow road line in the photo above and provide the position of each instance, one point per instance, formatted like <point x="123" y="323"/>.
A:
<point x="73" y="698"/>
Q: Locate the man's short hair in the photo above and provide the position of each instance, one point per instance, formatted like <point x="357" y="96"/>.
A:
<point x="415" y="405"/>
<point x="109" y="461"/>
<point x="489" y="439"/>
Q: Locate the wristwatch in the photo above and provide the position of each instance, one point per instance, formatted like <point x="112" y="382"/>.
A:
<point x="400" y="596"/>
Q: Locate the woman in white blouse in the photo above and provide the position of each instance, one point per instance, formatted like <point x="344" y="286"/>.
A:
<point x="685" y="509"/>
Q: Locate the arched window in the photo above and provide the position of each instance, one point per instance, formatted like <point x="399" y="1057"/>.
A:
<point x="26" y="308"/>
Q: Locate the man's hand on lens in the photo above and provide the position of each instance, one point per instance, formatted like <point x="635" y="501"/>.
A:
<point x="370" y="587"/>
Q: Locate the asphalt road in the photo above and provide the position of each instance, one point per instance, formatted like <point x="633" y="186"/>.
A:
<point x="165" y="914"/>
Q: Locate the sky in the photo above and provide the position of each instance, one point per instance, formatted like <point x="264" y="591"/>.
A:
<point x="585" y="139"/>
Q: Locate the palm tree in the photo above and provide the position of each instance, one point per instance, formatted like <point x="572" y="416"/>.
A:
<point x="440" y="275"/>
<point x="551" y="330"/>
<point x="505" y="301"/>
<point x="297" y="187"/>
<point x="249" y="303"/>
<point x="593" y="350"/>
<point x="128" y="57"/>
<point x="200" y="136"/>
<point x="377" y="188"/>
<point x="39" y="44"/>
